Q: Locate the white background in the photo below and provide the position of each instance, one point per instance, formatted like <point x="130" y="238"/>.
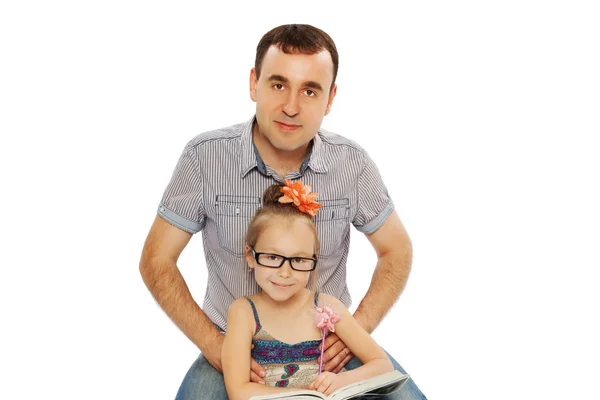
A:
<point x="483" y="118"/>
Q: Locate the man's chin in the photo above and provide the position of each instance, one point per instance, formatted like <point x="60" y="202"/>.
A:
<point x="288" y="149"/>
<point x="289" y="146"/>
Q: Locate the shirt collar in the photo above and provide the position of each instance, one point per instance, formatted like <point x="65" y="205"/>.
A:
<point x="250" y="157"/>
<point x="316" y="157"/>
<point x="248" y="153"/>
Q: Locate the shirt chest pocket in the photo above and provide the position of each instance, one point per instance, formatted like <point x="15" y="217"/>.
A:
<point x="332" y="222"/>
<point x="233" y="213"/>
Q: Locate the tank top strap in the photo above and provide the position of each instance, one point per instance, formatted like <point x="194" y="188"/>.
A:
<point x="316" y="299"/>
<point x="258" y="325"/>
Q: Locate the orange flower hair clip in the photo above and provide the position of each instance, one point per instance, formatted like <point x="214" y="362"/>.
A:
<point x="301" y="196"/>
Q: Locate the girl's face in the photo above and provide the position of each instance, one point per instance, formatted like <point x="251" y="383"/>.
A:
<point x="289" y="238"/>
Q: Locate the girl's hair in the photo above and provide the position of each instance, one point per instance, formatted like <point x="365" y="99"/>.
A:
<point x="272" y="210"/>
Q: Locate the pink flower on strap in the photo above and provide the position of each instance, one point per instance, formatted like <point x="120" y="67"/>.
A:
<point x="327" y="319"/>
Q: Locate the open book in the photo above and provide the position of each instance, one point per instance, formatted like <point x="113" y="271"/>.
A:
<point x="377" y="385"/>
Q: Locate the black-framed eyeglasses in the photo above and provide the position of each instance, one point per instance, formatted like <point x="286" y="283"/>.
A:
<point x="276" y="261"/>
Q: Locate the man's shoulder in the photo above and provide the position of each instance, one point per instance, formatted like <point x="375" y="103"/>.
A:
<point x="336" y="140"/>
<point x="219" y="136"/>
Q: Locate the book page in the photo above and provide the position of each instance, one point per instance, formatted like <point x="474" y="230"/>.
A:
<point x="381" y="384"/>
<point x="295" y="395"/>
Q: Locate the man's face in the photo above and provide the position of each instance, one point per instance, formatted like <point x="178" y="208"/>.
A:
<point x="292" y="96"/>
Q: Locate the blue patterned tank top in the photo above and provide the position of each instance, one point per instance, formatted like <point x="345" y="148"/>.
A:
<point x="286" y="365"/>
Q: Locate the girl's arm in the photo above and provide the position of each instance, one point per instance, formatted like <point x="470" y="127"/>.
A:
<point x="361" y="344"/>
<point x="236" y="354"/>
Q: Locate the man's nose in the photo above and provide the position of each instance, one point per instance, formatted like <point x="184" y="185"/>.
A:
<point x="291" y="107"/>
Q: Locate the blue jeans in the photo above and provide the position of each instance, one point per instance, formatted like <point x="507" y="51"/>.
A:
<point x="202" y="381"/>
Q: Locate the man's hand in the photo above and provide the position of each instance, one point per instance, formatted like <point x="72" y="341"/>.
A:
<point x="336" y="354"/>
<point x="257" y="372"/>
<point x="212" y="352"/>
<point x="327" y="383"/>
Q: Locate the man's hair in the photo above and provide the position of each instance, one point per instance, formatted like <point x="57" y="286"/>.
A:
<point x="294" y="39"/>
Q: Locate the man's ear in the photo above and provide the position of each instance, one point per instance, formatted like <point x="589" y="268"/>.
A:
<point x="253" y="84"/>
<point x="332" y="94"/>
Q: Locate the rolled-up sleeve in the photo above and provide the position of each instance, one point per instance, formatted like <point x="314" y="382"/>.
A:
<point x="374" y="203"/>
<point x="182" y="202"/>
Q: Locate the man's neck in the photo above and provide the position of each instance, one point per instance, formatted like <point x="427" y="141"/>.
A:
<point x="283" y="162"/>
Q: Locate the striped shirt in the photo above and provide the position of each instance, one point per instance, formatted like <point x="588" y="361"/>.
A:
<point x="217" y="187"/>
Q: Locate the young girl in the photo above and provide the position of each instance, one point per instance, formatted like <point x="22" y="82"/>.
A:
<point x="278" y="326"/>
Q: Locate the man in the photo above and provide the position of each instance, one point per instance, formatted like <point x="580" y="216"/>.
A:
<point x="216" y="188"/>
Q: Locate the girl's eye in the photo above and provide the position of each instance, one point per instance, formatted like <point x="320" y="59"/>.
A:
<point x="299" y="260"/>
<point x="273" y="257"/>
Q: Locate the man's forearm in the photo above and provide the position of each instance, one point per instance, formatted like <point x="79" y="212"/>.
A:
<point x="165" y="282"/>
<point x="388" y="282"/>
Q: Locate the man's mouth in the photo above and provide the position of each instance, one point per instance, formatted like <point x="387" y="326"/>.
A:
<point x="287" y="127"/>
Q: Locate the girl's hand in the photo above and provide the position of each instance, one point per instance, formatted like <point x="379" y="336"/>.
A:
<point x="327" y="383"/>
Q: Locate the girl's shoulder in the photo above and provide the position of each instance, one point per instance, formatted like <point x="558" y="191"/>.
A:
<point x="337" y="306"/>
<point x="329" y="300"/>
<point x="240" y="306"/>
<point x="240" y="317"/>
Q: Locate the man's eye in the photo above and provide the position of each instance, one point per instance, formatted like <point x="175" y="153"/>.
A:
<point x="300" y="260"/>
<point x="310" y="93"/>
<point x="278" y="86"/>
<point x="273" y="257"/>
